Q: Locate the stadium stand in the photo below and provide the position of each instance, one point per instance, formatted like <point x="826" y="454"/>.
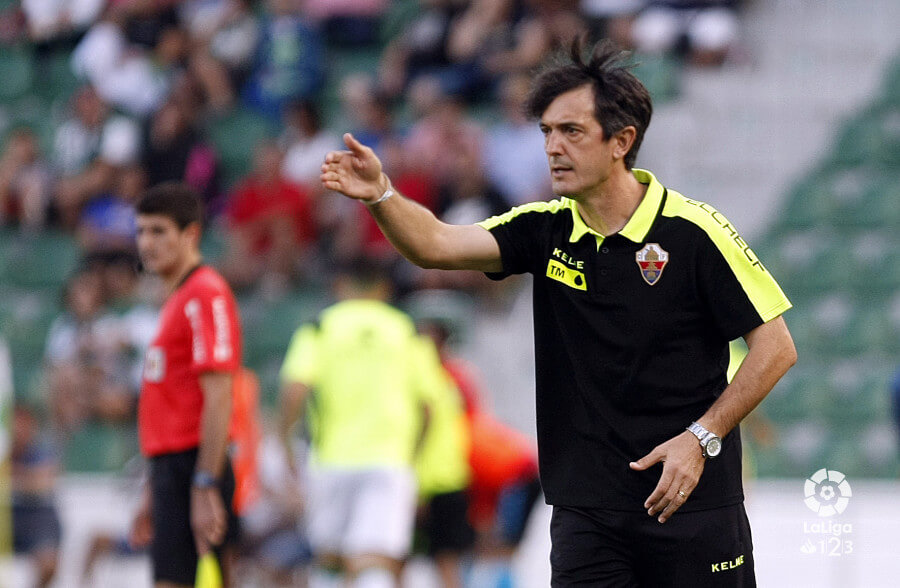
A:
<point x="835" y="249"/>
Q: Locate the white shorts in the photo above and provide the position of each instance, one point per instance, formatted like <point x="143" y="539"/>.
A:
<point x="360" y="512"/>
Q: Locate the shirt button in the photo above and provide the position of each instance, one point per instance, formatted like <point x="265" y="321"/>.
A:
<point x="603" y="272"/>
<point x="604" y="250"/>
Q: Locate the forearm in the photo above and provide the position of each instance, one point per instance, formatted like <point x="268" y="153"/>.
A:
<point x="410" y="227"/>
<point x="214" y="423"/>
<point x="293" y="396"/>
<point x="771" y="354"/>
<point x="431" y="243"/>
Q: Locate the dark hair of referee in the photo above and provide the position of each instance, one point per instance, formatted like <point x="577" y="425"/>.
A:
<point x="175" y="200"/>
<point x="620" y="99"/>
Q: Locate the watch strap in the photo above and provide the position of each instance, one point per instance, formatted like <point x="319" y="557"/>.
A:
<point x="204" y="479"/>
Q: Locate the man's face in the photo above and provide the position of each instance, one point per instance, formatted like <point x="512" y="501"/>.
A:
<point x="161" y="244"/>
<point x="580" y="159"/>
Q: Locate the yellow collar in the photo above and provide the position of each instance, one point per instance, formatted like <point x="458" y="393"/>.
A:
<point x="638" y="225"/>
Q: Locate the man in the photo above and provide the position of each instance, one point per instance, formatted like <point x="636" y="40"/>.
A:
<point x="637" y="292"/>
<point x="186" y="397"/>
<point x="367" y="377"/>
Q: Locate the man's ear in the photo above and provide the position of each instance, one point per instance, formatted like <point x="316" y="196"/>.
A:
<point x="193" y="232"/>
<point x="624" y="139"/>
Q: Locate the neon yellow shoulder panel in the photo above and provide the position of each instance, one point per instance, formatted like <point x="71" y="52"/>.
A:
<point x="762" y="289"/>
<point x="552" y="206"/>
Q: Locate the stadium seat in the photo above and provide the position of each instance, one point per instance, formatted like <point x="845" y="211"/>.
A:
<point x="235" y="136"/>
<point x="99" y="447"/>
<point x="660" y="74"/>
<point x="39" y="260"/>
<point x="871" y="137"/>
<point x="16" y="71"/>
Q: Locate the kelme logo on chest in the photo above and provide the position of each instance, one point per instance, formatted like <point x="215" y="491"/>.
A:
<point x="652" y="260"/>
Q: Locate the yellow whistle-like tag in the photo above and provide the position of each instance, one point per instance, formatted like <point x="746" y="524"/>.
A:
<point x="209" y="574"/>
<point x="568" y="276"/>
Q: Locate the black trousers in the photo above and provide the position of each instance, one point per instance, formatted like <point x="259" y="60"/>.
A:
<point x="173" y="552"/>
<point x="615" y="549"/>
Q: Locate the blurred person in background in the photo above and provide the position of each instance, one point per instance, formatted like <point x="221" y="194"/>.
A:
<point x="107" y="223"/>
<point x="443" y="476"/>
<point x="368" y="110"/>
<point x="304" y="140"/>
<point x="89" y="148"/>
<point x="54" y="23"/>
<point x="444" y="127"/>
<point x="705" y="31"/>
<point x="274" y="547"/>
<point x="504" y="487"/>
<point x="25" y="181"/>
<point x="514" y="158"/>
<point x="347" y="23"/>
<point x="175" y="150"/>
<point x="290" y="60"/>
<point x="362" y="377"/>
<point x="37" y="531"/>
<point x="123" y="74"/>
<point x="185" y="407"/>
<point x="88" y="372"/>
<point x="223" y="35"/>
<point x="494" y="38"/>
<point x="271" y="225"/>
<point x="421" y="50"/>
<point x="617" y="487"/>
<point x="612" y="19"/>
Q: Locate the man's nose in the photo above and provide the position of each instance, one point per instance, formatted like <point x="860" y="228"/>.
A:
<point x="552" y="144"/>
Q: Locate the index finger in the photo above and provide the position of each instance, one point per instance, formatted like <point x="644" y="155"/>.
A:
<point x="665" y="480"/>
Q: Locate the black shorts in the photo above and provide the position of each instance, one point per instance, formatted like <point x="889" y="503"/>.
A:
<point x="603" y="548"/>
<point x="173" y="552"/>
<point x="36" y="526"/>
<point x="446" y="525"/>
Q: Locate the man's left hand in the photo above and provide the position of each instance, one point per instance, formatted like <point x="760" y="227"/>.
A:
<point x="683" y="463"/>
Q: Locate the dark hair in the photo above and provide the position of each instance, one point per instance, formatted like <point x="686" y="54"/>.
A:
<point x="175" y="200"/>
<point x="620" y="99"/>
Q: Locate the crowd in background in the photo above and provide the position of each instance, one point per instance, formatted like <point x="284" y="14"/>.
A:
<point x="155" y="75"/>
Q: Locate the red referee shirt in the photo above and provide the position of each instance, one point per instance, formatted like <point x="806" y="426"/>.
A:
<point x="199" y="331"/>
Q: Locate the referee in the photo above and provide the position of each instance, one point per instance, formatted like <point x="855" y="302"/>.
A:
<point x="637" y="292"/>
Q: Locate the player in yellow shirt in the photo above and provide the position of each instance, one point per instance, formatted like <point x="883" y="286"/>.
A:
<point x="363" y="374"/>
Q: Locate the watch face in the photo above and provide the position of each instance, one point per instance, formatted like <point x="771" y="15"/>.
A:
<point x="713" y="447"/>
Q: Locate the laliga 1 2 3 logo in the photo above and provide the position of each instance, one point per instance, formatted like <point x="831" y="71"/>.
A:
<point x="827" y="492"/>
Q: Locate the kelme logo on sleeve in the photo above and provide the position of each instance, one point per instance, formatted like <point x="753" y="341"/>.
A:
<point x="568" y="276"/>
<point x="652" y="260"/>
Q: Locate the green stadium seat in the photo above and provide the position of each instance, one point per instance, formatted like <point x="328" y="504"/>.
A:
<point x="56" y="82"/>
<point x="873" y="137"/>
<point x="268" y="330"/>
<point x="235" y="136"/>
<point x="660" y="74"/>
<point x="41" y="260"/>
<point x="16" y="71"/>
<point x="100" y="447"/>
<point x="25" y="318"/>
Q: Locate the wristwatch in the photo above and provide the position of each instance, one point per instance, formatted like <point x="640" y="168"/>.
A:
<point x="204" y="479"/>
<point x="709" y="441"/>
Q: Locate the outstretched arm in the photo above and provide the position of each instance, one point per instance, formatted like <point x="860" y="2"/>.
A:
<point x="411" y="228"/>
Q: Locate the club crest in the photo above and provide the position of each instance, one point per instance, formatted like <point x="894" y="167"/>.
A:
<point x="652" y="260"/>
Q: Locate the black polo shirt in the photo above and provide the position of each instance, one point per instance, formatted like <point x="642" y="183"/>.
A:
<point x="631" y="339"/>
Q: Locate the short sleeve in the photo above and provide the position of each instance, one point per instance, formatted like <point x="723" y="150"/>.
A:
<point x="740" y="291"/>
<point x="518" y="233"/>
<point x="300" y="361"/>
<point x="214" y="332"/>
